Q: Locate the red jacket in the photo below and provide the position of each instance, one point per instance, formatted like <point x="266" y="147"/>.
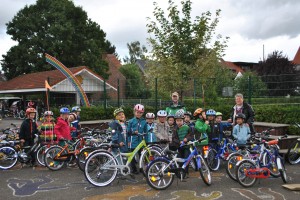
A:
<point x="62" y="129"/>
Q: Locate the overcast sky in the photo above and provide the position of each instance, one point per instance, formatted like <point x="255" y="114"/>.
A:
<point x="250" y="24"/>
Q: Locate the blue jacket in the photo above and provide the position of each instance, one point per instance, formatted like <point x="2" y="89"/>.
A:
<point x="150" y="136"/>
<point x="241" y="134"/>
<point x="223" y="126"/>
<point x="139" y="125"/>
<point x="117" y="136"/>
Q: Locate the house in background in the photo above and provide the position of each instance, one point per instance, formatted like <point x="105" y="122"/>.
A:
<point x="296" y="60"/>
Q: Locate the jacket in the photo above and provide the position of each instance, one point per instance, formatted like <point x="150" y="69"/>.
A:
<point x="162" y="131"/>
<point x="62" y="129"/>
<point x="172" y="109"/>
<point x="201" y="130"/>
<point x="241" y="134"/>
<point x="150" y="137"/>
<point x="47" y="131"/>
<point x="139" y="125"/>
<point x="179" y="134"/>
<point x="247" y="110"/>
<point x="118" y="136"/>
<point x="28" y="129"/>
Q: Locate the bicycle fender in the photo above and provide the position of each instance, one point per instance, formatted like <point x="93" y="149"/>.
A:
<point x="198" y="162"/>
<point x="278" y="162"/>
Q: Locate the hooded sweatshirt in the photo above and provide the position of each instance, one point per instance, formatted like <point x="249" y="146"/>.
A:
<point x="62" y="129"/>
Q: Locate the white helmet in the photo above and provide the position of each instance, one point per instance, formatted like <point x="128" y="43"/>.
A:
<point x="162" y="113"/>
<point x="150" y="116"/>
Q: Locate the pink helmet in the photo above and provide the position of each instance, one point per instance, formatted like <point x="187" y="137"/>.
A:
<point x="139" y="107"/>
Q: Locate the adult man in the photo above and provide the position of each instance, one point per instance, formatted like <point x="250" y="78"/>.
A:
<point x="245" y="108"/>
<point x="175" y="105"/>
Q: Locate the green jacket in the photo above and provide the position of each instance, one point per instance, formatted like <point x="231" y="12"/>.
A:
<point x="171" y="110"/>
<point x="180" y="133"/>
<point x="200" y="130"/>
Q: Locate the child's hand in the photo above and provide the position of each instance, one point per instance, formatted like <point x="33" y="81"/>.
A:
<point x="22" y="140"/>
<point x="207" y="122"/>
<point x="229" y="120"/>
<point x="184" y="140"/>
<point x="121" y="144"/>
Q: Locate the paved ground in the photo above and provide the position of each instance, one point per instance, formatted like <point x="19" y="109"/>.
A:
<point x="69" y="183"/>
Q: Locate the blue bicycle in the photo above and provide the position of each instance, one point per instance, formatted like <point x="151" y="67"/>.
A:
<point x="160" y="172"/>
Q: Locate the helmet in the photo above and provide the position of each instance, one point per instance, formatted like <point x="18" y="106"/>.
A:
<point x="211" y="112"/>
<point x="76" y="109"/>
<point x="240" y="115"/>
<point x="139" y="107"/>
<point x="47" y="113"/>
<point x="30" y="110"/>
<point x="117" y="111"/>
<point x="179" y="114"/>
<point x="64" y="110"/>
<point x="150" y="116"/>
<point x="198" y="111"/>
<point x="74" y="115"/>
<point x="170" y="116"/>
<point x="188" y="113"/>
<point x="219" y="114"/>
<point x="162" y="113"/>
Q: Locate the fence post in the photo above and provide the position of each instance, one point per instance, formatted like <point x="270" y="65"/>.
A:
<point x="194" y="94"/>
<point x="104" y="95"/>
<point x="156" y="95"/>
<point x="118" y="93"/>
<point x="249" y="89"/>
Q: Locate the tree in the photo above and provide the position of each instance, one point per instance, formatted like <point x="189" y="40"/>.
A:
<point x="258" y="87"/>
<point x="135" y="86"/>
<point x="59" y="28"/>
<point x="136" y="51"/>
<point x="279" y="74"/>
<point x="183" y="48"/>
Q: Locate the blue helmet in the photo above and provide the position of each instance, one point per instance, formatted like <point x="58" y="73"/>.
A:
<point x="211" y="112"/>
<point x="64" y="110"/>
<point x="76" y="109"/>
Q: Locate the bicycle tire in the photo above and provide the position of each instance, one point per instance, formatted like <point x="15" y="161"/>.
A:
<point x="240" y="173"/>
<point x="6" y="154"/>
<point x="49" y="156"/>
<point x="293" y="154"/>
<point x="213" y="162"/>
<point x="231" y="165"/>
<point x="145" y="159"/>
<point x="152" y="177"/>
<point x="282" y="170"/>
<point x="205" y="172"/>
<point x="82" y="156"/>
<point x="271" y="160"/>
<point x="95" y="162"/>
<point x="40" y="154"/>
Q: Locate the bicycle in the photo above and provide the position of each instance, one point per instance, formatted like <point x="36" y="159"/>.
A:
<point x="248" y="170"/>
<point x="101" y="167"/>
<point x="293" y="154"/>
<point x="161" y="171"/>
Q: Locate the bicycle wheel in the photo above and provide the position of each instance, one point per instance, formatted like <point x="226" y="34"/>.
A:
<point x="231" y="164"/>
<point x="8" y="157"/>
<point x="50" y="155"/>
<point x="81" y="157"/>
<point x="205" y="172"/>
<point x="40" y="155"/>
<point x="293" y="154"/>
<point x="241" y="173"/>
<point x="97" y="169"/>
<point x="145" y="159"/>
<point x="270" y="160"/>
<point x="213" y="161"/>
<point x="282" y="170"/>
<point x="157" y="175"/>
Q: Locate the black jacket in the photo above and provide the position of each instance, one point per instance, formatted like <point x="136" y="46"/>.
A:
<point x="247" y="111"/>
<point x="28" y="129"/>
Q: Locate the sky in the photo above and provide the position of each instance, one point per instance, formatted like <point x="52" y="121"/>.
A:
<point x="250" y="24"/>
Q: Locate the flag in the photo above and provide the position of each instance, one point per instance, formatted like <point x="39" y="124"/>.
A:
<point x="47" y="86"/>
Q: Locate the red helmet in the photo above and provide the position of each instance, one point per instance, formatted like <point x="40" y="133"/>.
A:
<point x="30" y="110"/>
<point x="139" y="107"/>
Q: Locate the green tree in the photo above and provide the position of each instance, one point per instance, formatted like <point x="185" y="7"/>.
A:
<point x="59" y="28"/>
<point x="258" y="87"/>
<point x="135" y="86"/>
<point x="183" y="48"/>
<point x="136" y="51"/>
<point x="279" y="74"/>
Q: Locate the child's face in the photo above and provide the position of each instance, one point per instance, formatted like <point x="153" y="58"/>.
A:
<point x="239" y="121"/>
<point x="150" y="120"/>
<point x="71" y="118"/>
<point x="210" y="118"/>
<point x="31" y="115"/>
<point x="218" y="119"/>
<point x="171" y="121"/>
<point x="121" y="117"/>
<point x="187" y="118"/>
<point x="77" y="113"/>
<point x="203" y="116"/>
<point x="48" y="118"/>
<point x="162" y="119"/>
<point x="138" y="114"/>
<point x="64" y="116"/>
<point x="179" y="122"/>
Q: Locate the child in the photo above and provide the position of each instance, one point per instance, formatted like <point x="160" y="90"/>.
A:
<point x="47" y="127"/>
<point x="136" y="126"/>
<point x="62" y="128"/>
<point x="118" y="128"/>
<point x="28" y="130"/>
<point x="202" y="128"/>
<point x="162" y="128"/>
<point x="76" y="110"/>
<point x="241" y="131"/>
<point x="213" y="136"/>
<point x="222" y="125"/>
<point x="182" y="134"/>
<point x="71" y="119"/>
<point x="187" y="120"/>
<point x="150" y="127"/>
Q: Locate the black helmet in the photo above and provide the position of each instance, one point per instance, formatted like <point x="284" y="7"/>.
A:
<point x="240" y="115"/>
<point x="188" y="113"/>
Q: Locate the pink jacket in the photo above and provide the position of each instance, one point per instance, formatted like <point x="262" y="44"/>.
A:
<point x="62" y="129"/>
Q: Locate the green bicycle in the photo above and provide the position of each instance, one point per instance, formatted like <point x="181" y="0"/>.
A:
<point x="102" y="167"/>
